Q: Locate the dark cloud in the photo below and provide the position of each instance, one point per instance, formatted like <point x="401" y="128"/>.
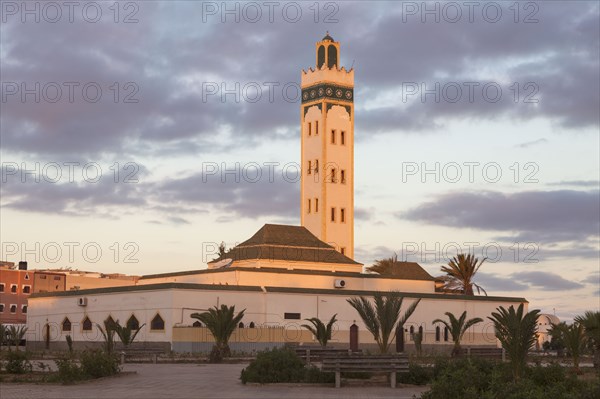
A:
<point x="537" y="216"/>
<point x="524" y="281"/>
<point x="235" y="195"/>
<point x="168" y="62"/>
<point x="546" y="281"/>
<point x="262" y="193"/>
<point x="492" y="282"/>
<point x="362" y="214"/>
<point x="593" y="278"/>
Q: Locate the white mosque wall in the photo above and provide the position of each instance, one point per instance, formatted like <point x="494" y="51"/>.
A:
<point x="265" y="309"/>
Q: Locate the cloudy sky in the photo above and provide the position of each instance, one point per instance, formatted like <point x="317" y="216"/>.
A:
<point x="135" y="138"/>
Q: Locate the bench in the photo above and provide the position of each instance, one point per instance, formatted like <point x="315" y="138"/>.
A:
<point x="489" y="353"/>
<point x="317" y="353"/>
<point x="360" y="363"/>
<point x="141" y="353"/>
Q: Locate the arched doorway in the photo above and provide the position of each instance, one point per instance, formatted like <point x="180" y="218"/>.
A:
<point x="354" y="338"/>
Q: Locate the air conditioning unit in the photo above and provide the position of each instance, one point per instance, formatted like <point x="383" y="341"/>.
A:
<point x="339" y="283"/>
<point x="82" y="301"/>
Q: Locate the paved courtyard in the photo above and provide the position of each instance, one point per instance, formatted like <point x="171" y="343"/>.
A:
<point x="174" y="381"/>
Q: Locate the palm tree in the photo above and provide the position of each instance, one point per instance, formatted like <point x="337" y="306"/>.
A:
<point x="14" y="335"/>
<point x="220" y="322"/>
<point x="557" y="341"/>
<point x="574" y="339"/>
<point x="108" y="333"/>
<point x="591" y="323"/>
<point x="458" y="327"/>
<point x="321" y="331"/>
<point x="460" y="272"/>
<point x="387" y="266"/>
<point x="126" y="334"/>
<point x="222" y="249"/>
<point x="516" y="332"/>
<point x="381" y="318"/>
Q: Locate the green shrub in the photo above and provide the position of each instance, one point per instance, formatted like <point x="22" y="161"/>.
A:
<point x="277" y="365"/>
<point x="314" y="375"/>
<point x="17" y="362"/>
<point x="483" y="379"/>
<point x="283" y="365"/>
<point x="68" y="371"/>
<point x="417" y="375"/>
<point x="93" y="364"/>
<point x="97" y="364"/>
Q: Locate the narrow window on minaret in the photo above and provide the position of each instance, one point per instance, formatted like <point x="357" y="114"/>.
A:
<point x="316" y="205"/>
<point x="343" y="176"/>
<point x="333" y="137"/>
<point x="343" y="138"/>
<point x="316" y="166"/>
<point x="316" y="128"/>
<point x="333" y="214"/>
<point x="333" y="175"/>
<point x="309" y="167"/>
<point x="309" y="128"/>
<point x="343" y="215"/>
<point x="308" y="205"/>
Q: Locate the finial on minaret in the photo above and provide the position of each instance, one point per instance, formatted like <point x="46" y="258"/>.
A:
<point x="327" y="52"/>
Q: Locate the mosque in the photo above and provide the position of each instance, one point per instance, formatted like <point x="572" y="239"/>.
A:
<point x="282" y="274"/>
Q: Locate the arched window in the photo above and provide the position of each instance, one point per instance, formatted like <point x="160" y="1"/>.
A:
<point x="86" y="325"/>
<point x="133" y="323"/>
<point x="197" y="324"/>
<point x="331" y="56"/>
<point x="66" y="324"/>
<point x="412" y="332"/>
<point x="252" y="325"/>
<point x="109" y="321"/>
<point x="157" y="323"/>
<point x="438" y="335"/>
<point x="446" y="334"/>
<point x="421" y="333"/>
<point x="241" y="325"/>
<point x="320" y="56"/>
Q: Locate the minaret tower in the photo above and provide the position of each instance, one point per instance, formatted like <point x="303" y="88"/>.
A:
<point x="327" y="129"/>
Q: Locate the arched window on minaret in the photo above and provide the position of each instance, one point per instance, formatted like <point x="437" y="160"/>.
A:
<point x="320" y="57"/>
<point x="332" y="56"/>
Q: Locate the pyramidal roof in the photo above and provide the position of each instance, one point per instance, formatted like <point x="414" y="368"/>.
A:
<point x="285" y="242"/>
<point x="281" y="234"/>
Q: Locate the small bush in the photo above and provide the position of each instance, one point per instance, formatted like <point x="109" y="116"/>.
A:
<point x="481" y="379"/>
<point x="93" y="364"/>
<point x="97" y="364"/>
<point x="17" y="362"/>
<point x="68" y="371"/>
<point x="417" y="375"/>
<point x="277" y="365"/>
<point x="314" y="375"/>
